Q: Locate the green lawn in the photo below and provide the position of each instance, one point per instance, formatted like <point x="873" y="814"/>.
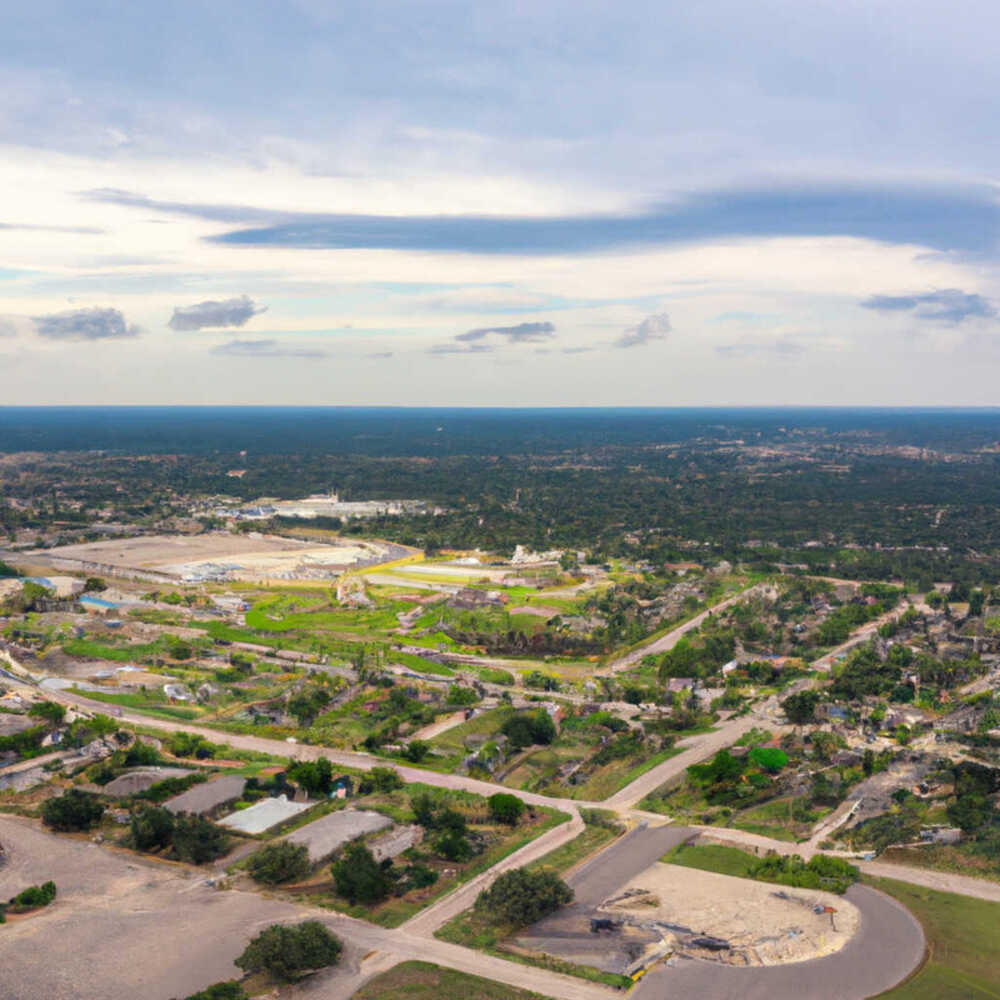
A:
<point x="963" y="938"/>
<point x="423" y="981"/>
<point x="711" y="858"/>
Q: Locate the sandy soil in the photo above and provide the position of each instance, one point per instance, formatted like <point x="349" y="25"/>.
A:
<point x="256" y="556"/>
<point x="765" y="924"/>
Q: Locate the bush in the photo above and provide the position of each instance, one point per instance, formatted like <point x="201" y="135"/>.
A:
<point x="152" y="828"/>
<point x="49" y="711"/>
<point x="229" y="990"/>
<point x="527" y="728"/>
<point x="380" y="779"/>
<point x="287" y="953"/>
<point x="419" y="876"/>
<point x="521" y="897"/>
<point x="506" y="808"/>
<point x="74" y="810"/>
<point x="360" y="878"/>
<point x="279" y="861"/>
<point x="196" y="840"/>
<point x="821" y="872"/>
<point x="416" y="751"/>
<point x="34" y="897"/>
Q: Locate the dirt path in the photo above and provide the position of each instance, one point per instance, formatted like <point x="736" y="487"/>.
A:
<point x="668" y="641"/>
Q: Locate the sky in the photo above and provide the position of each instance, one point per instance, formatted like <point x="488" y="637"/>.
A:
<point x="789" y="202"/>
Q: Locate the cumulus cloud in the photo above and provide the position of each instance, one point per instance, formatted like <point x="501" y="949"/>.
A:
<point x="85" y="324"/>
<point x="947" y="305"/>
<point x="521" y="334"/>
<point x="214" y="314"/>
<point x="265" y="349"/>
<point x="652" y="328"/>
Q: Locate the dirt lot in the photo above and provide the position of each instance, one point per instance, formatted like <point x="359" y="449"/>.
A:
<point x="325" y="835"/>
<point x="251" y="557"/>
<point x="206" y="796"/>
<point x="764" y="924"/>
<point x="120" y="927"/>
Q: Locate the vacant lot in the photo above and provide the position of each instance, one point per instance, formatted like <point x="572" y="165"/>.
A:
<point x="323" y="836"/>
<point x="249" y="557"/>
<point x="121" y="927"/>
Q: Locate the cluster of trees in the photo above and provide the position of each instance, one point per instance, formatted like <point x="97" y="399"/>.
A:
<point x="73" y="811"/>
<point x="447" y="828"/>
<point x="525" y="729"/>
<point x="360" y="878"/>
<point x="521" y="897"/>
<point x="698" y="659"/>
<point x="279" y="861"/>
<point x="187" y="837"/>
<point x="726" y="779"/>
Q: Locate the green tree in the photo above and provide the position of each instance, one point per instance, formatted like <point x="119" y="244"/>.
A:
<point x="196" y="840"/>
<point x="50" y="711"/>
<point x="94" y="584"/>
<point x="521" y="897"/>
<point x="360" y="878"/>
<point x="152" y="828"/>
<point x="506" y="808"/>
<point x="279" y="861"/>
<point x="287" y="952"/>
<point x="72" y="811"/>
<point x="800" y="708"/>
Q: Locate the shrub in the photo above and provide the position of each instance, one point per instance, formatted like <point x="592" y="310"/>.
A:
<point x="360" y="878"/>
<point x="506" y="808"/>
<point x="279" y="861"/>
<point x="229" y="990"/>
<point x="380" y="779"/>
<point x="416" y="751"/>
<point x="521" y="897"/>
<point x="152" y="828"/>
<point x="72" y="811"/>
<point x="196" y="840"/>
<point x="527" y="728"/>
<point x="419" y="876"/>
<point x="287" y="953"/>
<point x="34" y="896"/>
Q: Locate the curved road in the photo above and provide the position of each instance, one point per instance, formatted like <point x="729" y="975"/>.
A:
<point x="888" y="946"/>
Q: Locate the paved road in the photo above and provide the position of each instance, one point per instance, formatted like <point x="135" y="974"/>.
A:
<point x="888" y="946"/>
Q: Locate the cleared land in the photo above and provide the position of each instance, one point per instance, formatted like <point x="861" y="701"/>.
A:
<point x="218" y="554"/>
<point x="205" y="797"/>
<point x="323" y="836"/>
<point x="764" y="924"/>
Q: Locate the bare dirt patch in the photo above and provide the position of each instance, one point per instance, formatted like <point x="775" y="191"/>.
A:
<point x="761" y="923"/>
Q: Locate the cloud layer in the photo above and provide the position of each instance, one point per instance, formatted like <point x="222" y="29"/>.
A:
<point x="213" y="315"/>
<point x="522" y="333"/>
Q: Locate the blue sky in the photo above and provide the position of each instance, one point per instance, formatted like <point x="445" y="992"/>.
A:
<point x="549" y="203"/>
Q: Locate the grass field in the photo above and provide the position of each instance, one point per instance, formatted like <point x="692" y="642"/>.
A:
<point x="712" y="858"/>
<point x="423" y="981"/>
<point x="963" y="939"/>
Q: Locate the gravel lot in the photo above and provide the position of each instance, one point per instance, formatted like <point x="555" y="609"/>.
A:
<point x="325" y="835"/>
<point x="206" y="796"/>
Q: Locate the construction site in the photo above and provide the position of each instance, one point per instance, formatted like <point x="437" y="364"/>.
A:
<point x="219" y="556"/>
